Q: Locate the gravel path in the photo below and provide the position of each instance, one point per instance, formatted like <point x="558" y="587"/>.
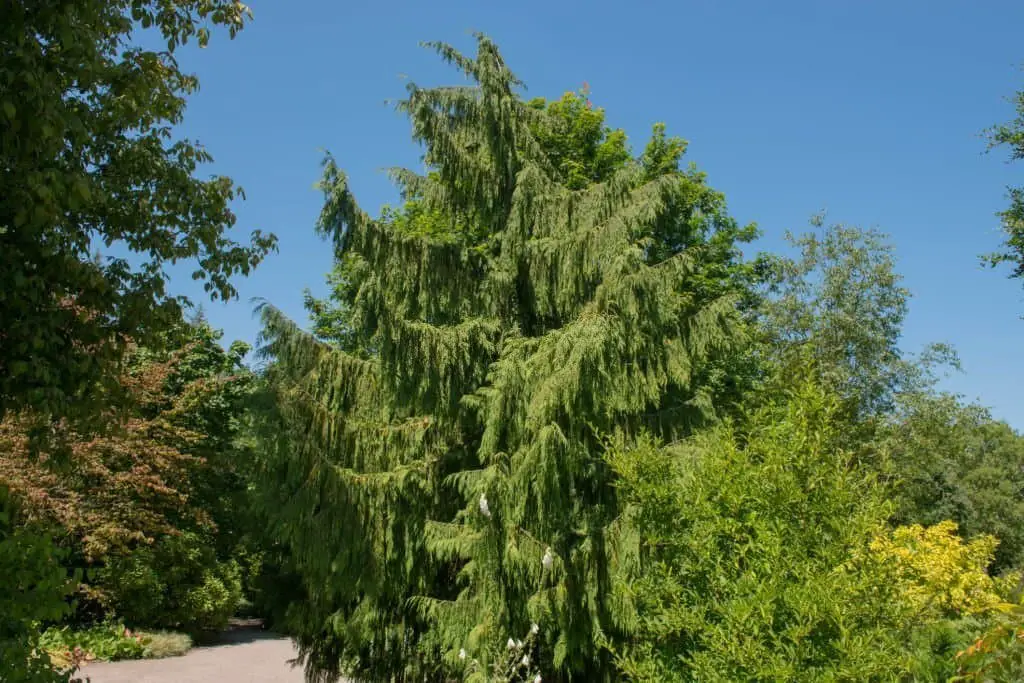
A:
<point x="249" y="657"/>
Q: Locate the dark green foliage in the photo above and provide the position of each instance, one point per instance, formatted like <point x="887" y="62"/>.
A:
<point x="742" y="547"/>
<point x="35" y="588"/>
<point x="88" y="160"/>
<point x="954" y="461"/>
<point x="419" y="469"/>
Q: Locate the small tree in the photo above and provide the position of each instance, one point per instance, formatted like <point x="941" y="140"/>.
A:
<point x="153" y="503"/>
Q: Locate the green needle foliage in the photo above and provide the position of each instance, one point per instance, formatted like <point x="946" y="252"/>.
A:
<point x="434" y="463"/>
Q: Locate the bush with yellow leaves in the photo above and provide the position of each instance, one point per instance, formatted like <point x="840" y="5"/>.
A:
<point x="937" y="570"/>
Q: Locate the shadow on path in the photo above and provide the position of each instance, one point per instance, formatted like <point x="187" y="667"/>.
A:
<point x="238" y="632"/>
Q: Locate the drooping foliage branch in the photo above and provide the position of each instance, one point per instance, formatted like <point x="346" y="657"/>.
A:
<point x="441" y="473"/>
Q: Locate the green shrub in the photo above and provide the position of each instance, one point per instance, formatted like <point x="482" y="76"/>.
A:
<point x="111" y="642"/>
<point x="739" y="549"/>
<point x="175" y="583"/>
<point x="104" y="642"/>
<point x="34" y="590"/>
<point x="997" y="655"/>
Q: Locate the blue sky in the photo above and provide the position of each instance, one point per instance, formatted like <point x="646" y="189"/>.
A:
<point x="870" y="110"/>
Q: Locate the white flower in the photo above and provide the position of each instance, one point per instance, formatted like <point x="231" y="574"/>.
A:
<point x="519" y="643"/>
<point x="484" y="508"/>
<point x="511" y="644"/>
<point x="548" y="559"/>
<point x="534" y="629"/>
<point x="536" y="679"/>
<point x="462" y="653"/>
<point x="526" y="660"/>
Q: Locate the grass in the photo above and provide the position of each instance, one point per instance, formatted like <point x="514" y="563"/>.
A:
<point x="162" y="644"/>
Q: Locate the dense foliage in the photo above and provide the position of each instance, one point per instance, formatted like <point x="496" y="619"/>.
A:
<point x="35" y="587"/>
<point x="150" y="513"/>
<point x="88" y="159"/>
<point x="548" y="424"/>
<point x="745" y="547"/>
<point x="955" y="462"/>
<point x="454" y="455"/>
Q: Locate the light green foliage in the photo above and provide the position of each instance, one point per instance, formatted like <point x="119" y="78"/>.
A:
<point x="88" y="159"/>
<point x="1011" y="135"/>
<point x="577" y="142"/>
<point x="177" y="582"/>
<point x="160" y="644"/>
<point x="419" y="475"/>
<point x="954" y="461"/>
<point x="839" y="304"/>
<point x="35" y="587"/>
<point x="738" y="554"/>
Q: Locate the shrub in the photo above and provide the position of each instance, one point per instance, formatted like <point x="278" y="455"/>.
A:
<point x="997" y="656"/>
<point x="104" y="642"/>
<point x="110" y="642"/>
<point x="739" y="551"/>
<point x="165" y="644"/>
<point x="34" y="590"/>
<point x="176" y="583"/>
<point x="937" y="571"/>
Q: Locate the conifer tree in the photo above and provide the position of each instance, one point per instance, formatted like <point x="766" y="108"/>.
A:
<point x="437" y="473"/>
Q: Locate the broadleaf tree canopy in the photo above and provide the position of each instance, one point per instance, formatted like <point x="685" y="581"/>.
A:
<point x="89" y="160"/>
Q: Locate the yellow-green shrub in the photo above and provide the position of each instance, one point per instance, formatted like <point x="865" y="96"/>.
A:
<point x="937" y="571"/>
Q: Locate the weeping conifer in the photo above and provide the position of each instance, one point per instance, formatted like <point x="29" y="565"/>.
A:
<point x="439" y="479"/>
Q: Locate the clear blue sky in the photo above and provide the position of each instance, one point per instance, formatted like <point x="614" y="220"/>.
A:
<point x="871" y="110"/>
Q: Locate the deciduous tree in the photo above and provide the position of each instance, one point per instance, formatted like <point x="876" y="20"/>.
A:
<point x="89" y="160"/>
